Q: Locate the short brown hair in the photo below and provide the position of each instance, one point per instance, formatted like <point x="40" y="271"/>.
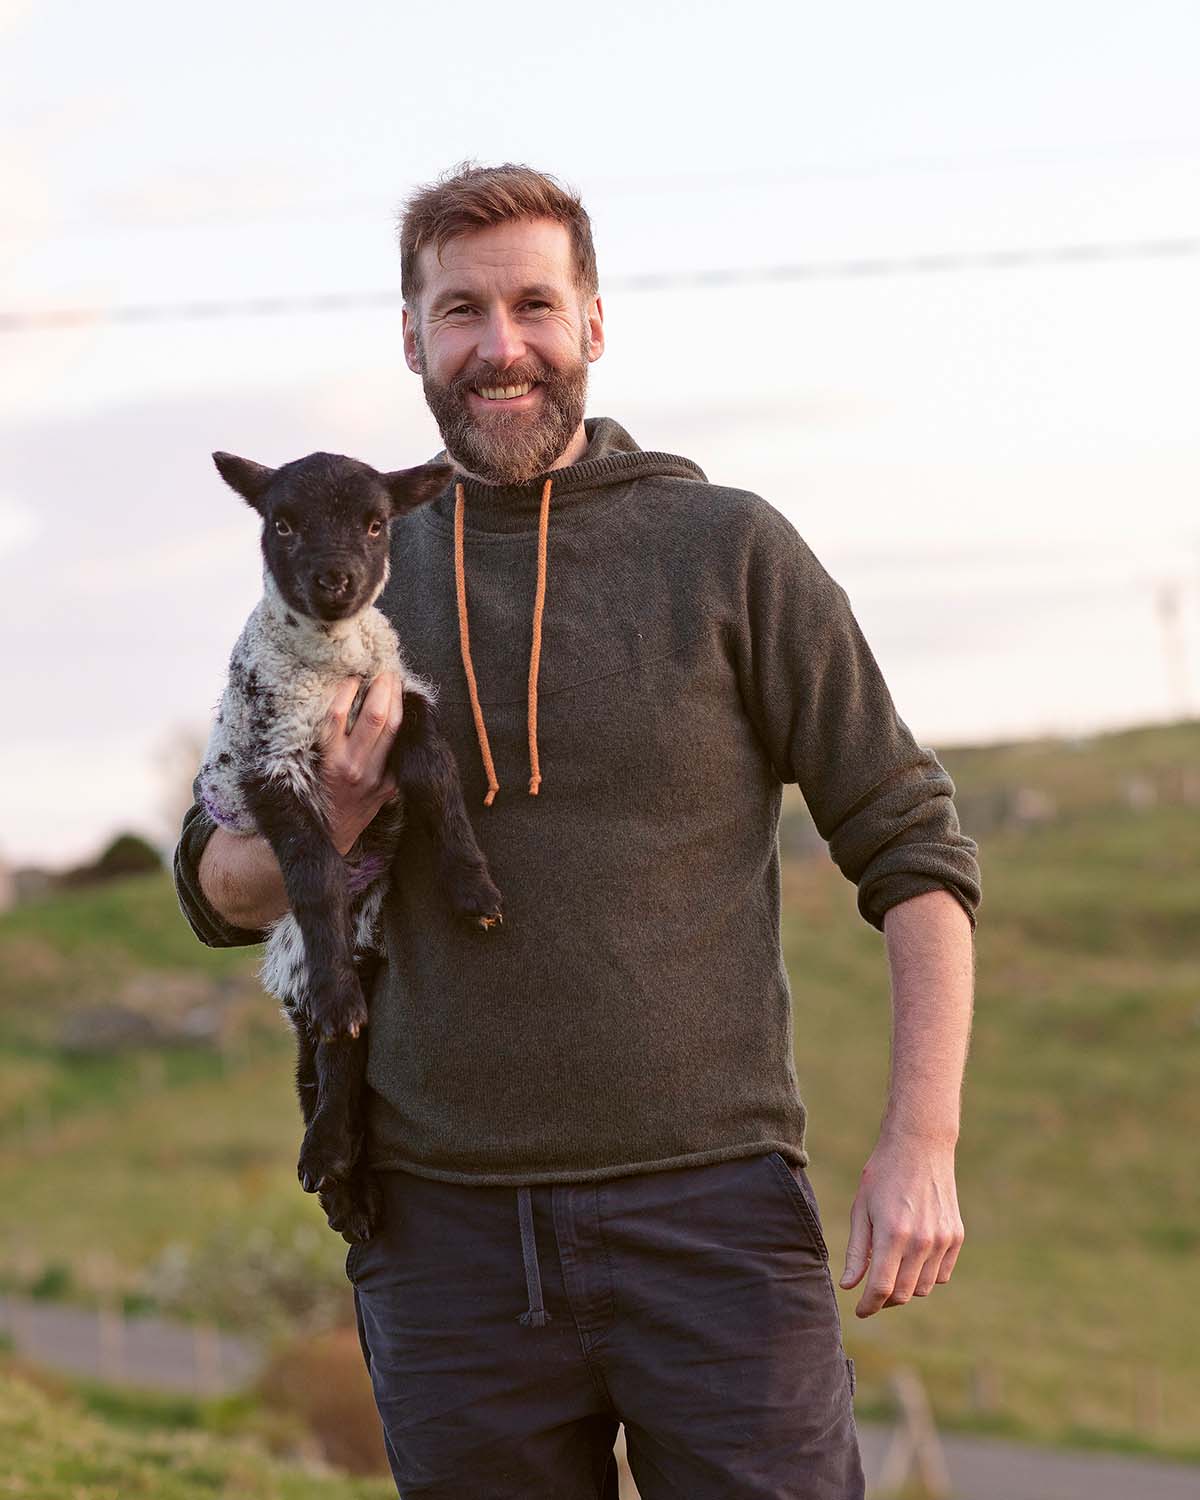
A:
<point x="473" y="197"/>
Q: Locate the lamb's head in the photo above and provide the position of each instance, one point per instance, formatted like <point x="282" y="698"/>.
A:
<point x="325" y="524"/>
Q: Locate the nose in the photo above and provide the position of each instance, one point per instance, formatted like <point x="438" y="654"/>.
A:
<point x="332" y="582"/>
<point x="500" y="344"/>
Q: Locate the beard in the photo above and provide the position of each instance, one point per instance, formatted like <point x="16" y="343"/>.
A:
<point x="508" y="447"/>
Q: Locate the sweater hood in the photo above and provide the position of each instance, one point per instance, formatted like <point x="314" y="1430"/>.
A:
<point x="612" y="458"/>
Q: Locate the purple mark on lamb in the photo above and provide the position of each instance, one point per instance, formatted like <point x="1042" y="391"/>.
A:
<point x="365" y="872"/>
<point x="215" y="811"/>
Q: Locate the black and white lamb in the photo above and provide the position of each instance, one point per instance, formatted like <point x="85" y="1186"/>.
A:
<point x="325" y="537"/>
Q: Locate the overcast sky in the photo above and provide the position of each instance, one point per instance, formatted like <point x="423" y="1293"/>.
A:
<point x="1000" y="465"/>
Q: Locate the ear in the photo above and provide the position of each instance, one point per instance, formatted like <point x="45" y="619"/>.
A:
<point x="249" y="479"/>
<point x="410" y="488"/>
<point x="408" y="326"/>
<point x="593" y="317"/>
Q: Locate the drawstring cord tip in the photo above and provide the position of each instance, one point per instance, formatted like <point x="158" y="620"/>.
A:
<point x="534" y="1319"/>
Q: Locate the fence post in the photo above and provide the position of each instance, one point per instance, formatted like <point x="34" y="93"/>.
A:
<point x="985" y="1388"/>
<point x="206" y="1358"/>
<point x="1148" y="1400"/>
<point x="111" y="1330"/>
<point x="915" y="1443"/>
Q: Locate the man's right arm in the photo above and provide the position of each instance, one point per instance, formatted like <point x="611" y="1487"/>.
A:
<point x="241" y="879"/>
<point x="229" y="885"/>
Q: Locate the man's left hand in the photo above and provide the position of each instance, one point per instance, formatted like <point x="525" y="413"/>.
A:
<point x="904" y="1223"/>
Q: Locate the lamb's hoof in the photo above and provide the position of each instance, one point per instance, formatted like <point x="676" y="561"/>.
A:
<point x="331" y="1033"/>
<point x="339" y="1013"/>
<point x="352" y="1208"/>
<point x="475" y="898"/>
<point x="323" y="1162"/>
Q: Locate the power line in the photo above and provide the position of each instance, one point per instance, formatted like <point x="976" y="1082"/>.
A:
<point x="107" y="214"/>
<point x="49" y="319"/>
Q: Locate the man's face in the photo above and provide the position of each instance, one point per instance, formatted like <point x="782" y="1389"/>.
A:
<point x="501" y="312"/>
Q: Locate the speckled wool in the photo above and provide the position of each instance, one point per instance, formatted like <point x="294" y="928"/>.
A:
<point x="633" y="1013"/>
<point x="284" y="672"/>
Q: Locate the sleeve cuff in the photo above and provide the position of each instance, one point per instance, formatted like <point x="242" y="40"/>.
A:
<point x="205" y="921"/>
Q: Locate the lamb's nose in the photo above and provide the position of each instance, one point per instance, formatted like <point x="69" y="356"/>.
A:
<point x="332" y="583"/>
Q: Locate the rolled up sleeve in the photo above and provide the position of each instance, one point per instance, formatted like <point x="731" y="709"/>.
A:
<point x="826" y="718"/>
<point x="205" y="921"/>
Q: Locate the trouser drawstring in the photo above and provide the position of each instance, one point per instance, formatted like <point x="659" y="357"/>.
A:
<point x="535" y="1315"/>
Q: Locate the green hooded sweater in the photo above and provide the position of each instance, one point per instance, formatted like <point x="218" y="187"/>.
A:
<point x="633" y="1012"/>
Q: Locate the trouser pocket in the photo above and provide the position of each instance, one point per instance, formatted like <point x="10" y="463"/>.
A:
<point x="795" y="1183"/>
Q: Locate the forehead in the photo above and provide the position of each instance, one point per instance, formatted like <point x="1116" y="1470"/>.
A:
<point x="499" y="257"/>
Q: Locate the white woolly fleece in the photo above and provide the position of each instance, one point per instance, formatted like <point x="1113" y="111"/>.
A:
<point x="283" y="674"/>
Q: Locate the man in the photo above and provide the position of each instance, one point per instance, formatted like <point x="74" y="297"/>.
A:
<point x="658" y="655"/>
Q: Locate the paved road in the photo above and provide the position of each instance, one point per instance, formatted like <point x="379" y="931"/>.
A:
<point x="155" y="1353"/>
<point x="992" y="1469"/>
<point x="149" y="1352"/>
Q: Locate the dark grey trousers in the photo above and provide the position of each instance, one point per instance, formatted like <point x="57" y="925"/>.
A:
<point x="509" y="1331"/>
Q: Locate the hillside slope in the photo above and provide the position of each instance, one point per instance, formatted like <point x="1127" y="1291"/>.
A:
<point x="165" y="1171"/>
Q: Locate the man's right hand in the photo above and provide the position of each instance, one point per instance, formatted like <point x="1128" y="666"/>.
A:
<point x="354" y="766"/>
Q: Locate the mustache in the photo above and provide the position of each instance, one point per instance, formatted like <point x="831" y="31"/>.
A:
<point x="493" y="379"/>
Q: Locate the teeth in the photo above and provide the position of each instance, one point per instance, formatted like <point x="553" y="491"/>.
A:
<point x="505" y="393"/>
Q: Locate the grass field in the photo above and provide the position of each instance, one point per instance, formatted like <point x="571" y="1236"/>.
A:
<point x="55" y="1447"/>
<point x="1072" y="1315"/>
<point x="1076" y="1300"/>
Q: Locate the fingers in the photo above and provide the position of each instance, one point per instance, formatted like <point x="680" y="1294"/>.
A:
<point x="339" y="710"/>
<point x="359" y="757"/>
<point x="858" y="1247"/>
<point x="908" y="1262"/>
<point x="380" y="714"/>
<point x="380" y="717"/>
<point x="886" y="1260"/>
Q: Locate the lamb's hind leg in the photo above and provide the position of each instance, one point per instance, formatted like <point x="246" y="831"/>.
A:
<point x="426" y="772"/>
<point x="348" y="1195"/>
<point x="331" y="1158"/>
<point x="314" y="876"/>
<point x="307" y="1087"/>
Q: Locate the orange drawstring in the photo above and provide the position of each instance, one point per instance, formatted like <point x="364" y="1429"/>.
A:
<point x="535" y="653"/>
<point x="535" y="649"/>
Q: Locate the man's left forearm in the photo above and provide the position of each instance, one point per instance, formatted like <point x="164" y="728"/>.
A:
<point x="905" y="1228"/>
<point x="931" y="956"/>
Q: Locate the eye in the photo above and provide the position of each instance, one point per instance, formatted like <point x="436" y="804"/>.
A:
<point x="375" y="528"/>
<point x="537" y="304"/>
<point x="282" y="527"/>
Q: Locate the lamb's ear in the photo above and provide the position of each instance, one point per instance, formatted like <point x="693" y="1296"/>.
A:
<point x="410" y="488"/>
<point x="249" y="479"/>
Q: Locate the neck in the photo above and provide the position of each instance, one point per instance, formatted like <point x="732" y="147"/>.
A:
<point x="574" y="450"/>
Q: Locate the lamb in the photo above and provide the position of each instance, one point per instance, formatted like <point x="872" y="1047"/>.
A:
<point x="325" y="537"/>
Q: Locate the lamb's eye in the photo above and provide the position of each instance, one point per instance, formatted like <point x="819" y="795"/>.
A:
<point x="374" y="528"/>
<point x="282" y="527"/>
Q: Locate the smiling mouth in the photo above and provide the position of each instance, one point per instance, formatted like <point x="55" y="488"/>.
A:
<point x="502" y="393"/>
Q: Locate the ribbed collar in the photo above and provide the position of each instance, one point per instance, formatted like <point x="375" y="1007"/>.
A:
<point x="612" y="457"/>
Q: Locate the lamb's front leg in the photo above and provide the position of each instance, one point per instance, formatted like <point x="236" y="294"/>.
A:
<point x="314" y="876"/>
<point x="427" y="774"/>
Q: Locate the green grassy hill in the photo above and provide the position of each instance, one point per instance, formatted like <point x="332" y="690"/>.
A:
<point x="169" y="1171"/>
<point x="53" y="1447"/>
<point x="1074" y="1301"/>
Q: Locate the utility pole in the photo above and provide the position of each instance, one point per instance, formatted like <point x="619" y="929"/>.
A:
<point x="1169" y="601"/>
